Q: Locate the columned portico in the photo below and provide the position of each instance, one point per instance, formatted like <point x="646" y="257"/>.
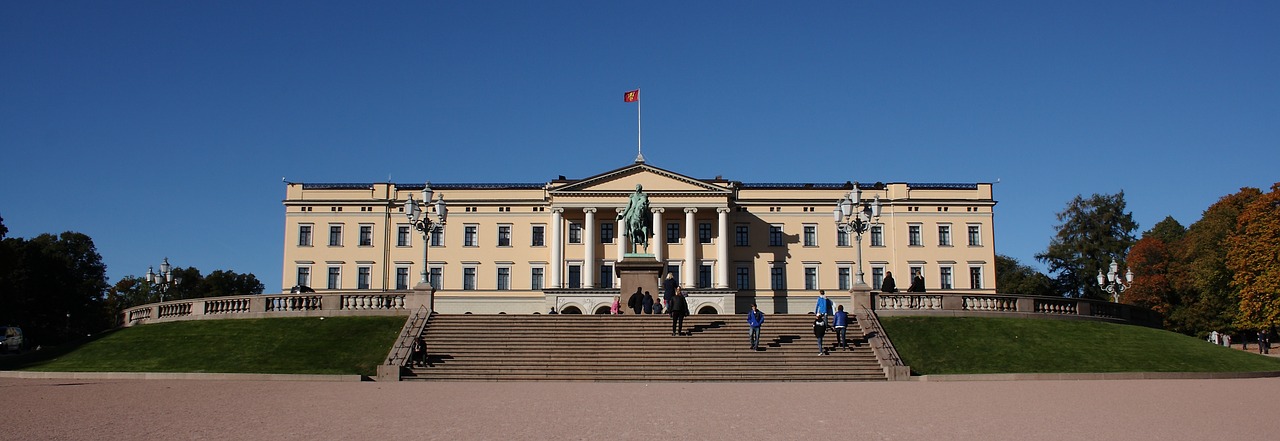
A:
<point x="689" y="278"/>
<point x="589" y="249"/>
<point x="557" y="248"/>
<point x="722" y="248"/>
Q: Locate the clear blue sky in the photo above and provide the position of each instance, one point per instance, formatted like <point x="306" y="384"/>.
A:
<point x="163" y="128"/>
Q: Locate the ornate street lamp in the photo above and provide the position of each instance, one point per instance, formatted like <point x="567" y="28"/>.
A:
<point x="422" y="221"/>
<point x="1111" y="282"/>
<point x="853" y="215"/>
<point x="163" y="280"/>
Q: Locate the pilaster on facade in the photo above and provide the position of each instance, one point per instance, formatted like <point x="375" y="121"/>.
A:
<point x="589" y="248"/>
<point x="557" y="247"/>
<point x="722" y="248"/>
<point x="659" y="245"/>
<point x="690" y="248"/>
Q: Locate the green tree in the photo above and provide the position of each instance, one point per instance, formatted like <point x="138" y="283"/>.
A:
<point x="1012" y="277"/>
<point x="53" y="286"/>
<point x="1253" y="257"/>
<point x="1168" y="231"/>
<point x="229" y="283"/>
<point x="1207" y="301"/>
<point x="1091" y="232"/>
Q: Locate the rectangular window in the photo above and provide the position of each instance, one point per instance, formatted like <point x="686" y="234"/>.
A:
<point x="575" y="232"/>
<point x="975" y="277"/>
<point x="362" y="277"/>
<point x="437" y="277"/>
<point x="744" y="277"/>
<point x="704" y="232"/>
<point x="366" y="235"/>
<point x="775" y="235"/>
<point x="777" y="278"/>
<point x="535" y="278"/>
<point x="437" y="237"/>
<point x="741" y="235"/>
<point x="810" y="278"/>
<point x="810" y="235"/>
<point x="877" y="277"/>
<point x="913" y="236"/>
<point x="469" y="233"/>
<point x="469" y="278"/>
<point x="877" y="235"/>
<point x="536" y="237"/>
<point x="504" y="235"/>
<point x="674" y="271"/>
<point x="304" y="235"/>
<point x="335" y="277"/>
<point x="504" y="278"/>
<point x="842" y="238"/>
<point x="975" y="235"/>
<point x="944" y="235"/>
<point x="575" y="276"/>
<point x="304" y="276"/>
<point x="673" y="232"/>
<point x="844" y="278"/>
<point x="704" y="276"/>
<point x="335" y="235"/>
<point x="606" y="276"/>
<point x="606" y="232"/>
<point x="402" y="236"/>
<point x="402" y="278"/>
<point x="944" y="276"/>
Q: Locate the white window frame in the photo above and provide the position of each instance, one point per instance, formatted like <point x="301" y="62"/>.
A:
<point x="341" y="233"/>
<point x="971" y="236"/>
<point x="309" y="236"/>
<point x="471" y="233"/>
<point x="945" y="234"/>
<point x="915" y="235"/>
<point x="404" y="231"/>
<point x="510" y="239"/>
<point x="810" y="232"/>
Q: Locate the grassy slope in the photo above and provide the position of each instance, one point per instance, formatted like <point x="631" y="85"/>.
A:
<point x="963" y="345"/>
<point x="335" y="345"/>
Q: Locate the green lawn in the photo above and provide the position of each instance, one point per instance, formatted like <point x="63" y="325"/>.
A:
<point x="968" y="345"/>
<point x="334" y="345"/>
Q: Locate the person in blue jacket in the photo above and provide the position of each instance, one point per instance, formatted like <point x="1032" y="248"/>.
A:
<point x="823" y="307"/>
<point x="755" y="318"/>
<point x="841" y="324"/>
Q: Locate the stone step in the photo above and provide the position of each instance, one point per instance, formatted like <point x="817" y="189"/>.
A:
<point x="634" y="348"/>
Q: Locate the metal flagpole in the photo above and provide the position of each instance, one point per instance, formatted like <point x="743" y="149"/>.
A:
<point x="639" y="156"/>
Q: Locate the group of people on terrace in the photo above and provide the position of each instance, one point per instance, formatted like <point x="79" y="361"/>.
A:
<point x="673" y="302"/>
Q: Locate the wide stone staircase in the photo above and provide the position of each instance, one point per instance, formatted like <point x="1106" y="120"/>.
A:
<point x="634" y="348"/>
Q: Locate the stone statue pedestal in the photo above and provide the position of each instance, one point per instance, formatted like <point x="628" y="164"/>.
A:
<point x="638" y="271"/>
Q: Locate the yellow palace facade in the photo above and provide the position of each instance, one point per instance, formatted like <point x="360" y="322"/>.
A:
<point x="525" y="248"/>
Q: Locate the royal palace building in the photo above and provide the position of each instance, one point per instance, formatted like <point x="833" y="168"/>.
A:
<point x="525" y="248"/>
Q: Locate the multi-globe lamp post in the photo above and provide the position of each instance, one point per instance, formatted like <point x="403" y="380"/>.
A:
<point x="163" y="280"/>
<point x="854" y="215"/>
<point x="1112" y="283"/>
<point x="423" y="222"/>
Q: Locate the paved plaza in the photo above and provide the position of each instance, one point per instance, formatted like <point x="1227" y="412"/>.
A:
<point x="985" y="410"/>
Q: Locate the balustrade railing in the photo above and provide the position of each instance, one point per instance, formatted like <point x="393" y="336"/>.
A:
<point x="909" y="302"/>
<point x="272" y="305"/>
<point x="990" y="303"/>
<point x="984" y="304"/>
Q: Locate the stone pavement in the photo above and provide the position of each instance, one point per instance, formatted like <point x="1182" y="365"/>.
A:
<point x="288" y="410"/>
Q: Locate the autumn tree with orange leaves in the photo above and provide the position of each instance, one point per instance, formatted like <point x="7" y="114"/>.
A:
<point x="1253" y="256"/>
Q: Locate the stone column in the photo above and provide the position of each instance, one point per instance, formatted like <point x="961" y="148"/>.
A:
<point x="722" y="248"/>
<point x="557" y="248"/>
<point x="622" y="235"/>
<point x="690" y="249"/>
<point x="589" y="249"/>
<point x="658" y="244"/>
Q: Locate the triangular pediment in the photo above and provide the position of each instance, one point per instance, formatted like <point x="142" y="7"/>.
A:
<point x="624" y="180"/>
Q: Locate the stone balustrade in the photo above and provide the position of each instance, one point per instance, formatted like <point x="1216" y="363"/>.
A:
<point x="960" y="303"/>
<point x="277" y="305"/>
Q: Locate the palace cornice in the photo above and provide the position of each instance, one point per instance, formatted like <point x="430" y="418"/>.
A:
<point x="571" y="186"/>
